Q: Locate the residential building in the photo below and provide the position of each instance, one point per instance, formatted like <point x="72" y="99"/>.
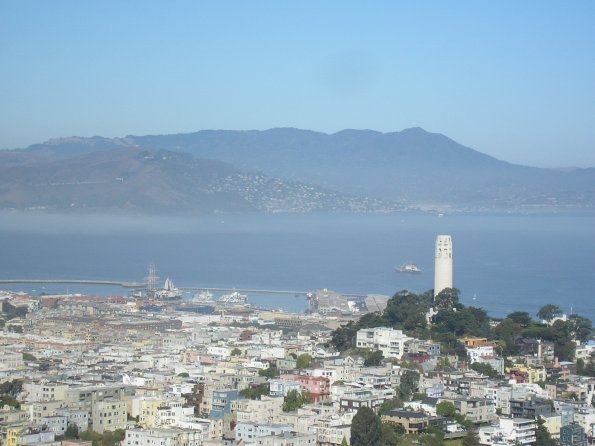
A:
<point x="249" y="432"/>
<point x="108" y="415"/>
<point x="389" y="341"/>
<point x="412" y="422"/>
<point x="573" y="434"/>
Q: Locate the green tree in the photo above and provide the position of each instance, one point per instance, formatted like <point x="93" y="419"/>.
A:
<point x="344" y="441"/>
<point x="447" y="299"/>
<point x="388" y="405"/>
<point x="303" y="361"/>
<point x="406" y="310"/>
<point x="72" y="432"/>
<point x="549" y="312"/>
<point x="469" y="321"/>
<point x="236" y="352"/>
<point x="520" y="317"/>
<point x="11" y="388"/>
<point x="343" y="337"/>
<point x="254" y="393"/>
<point x="270" y="373"/>
<point x="12" y="312"/>
<point x="373" y="359"/>
<point x="485" y="369"/>
<point x="108" y="438"/>
<point x="507" y="331"/>
<point x="580" y="327"/>
<point x="542" y="435"/>
<point x="446" y="409"/>
<point x="28" y="357"/>
<point x="294" y="400"/>
<point x="409" y="384"/>
<point x="471" y="438"/>
<point x="366" y="428"/>
<point x="183" y="375"/>
<point x="586" y="368"/>
<point x="390" y="434"/>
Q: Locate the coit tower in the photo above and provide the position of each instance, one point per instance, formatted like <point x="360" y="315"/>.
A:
<point x="443" y="264"/>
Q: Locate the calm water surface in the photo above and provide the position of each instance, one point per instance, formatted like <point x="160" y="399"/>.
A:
<point x="502" y="262"/>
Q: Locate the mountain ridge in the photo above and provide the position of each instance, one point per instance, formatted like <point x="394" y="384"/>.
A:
<point x="413" y="166"/>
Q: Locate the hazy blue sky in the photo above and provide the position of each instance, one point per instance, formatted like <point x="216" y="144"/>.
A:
<point x="514" y="79"/>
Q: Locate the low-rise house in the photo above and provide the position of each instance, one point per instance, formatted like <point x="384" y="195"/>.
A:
<point x="27" y="435"/>
<point x="250" y="431"/>
<point x="411" y="421"/>
<point x="221" y="403"/>
<point x="318" y="386"/>
<point x="280" y="387"/>
<point x="11" y="415"/>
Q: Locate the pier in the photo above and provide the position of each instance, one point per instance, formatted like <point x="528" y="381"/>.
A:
<point x="76" y="281"/>
<point x="144" y="285"/>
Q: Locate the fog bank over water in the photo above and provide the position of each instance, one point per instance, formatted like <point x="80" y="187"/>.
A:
<point x="102" y="224"/>
<point x="502" y="262"/>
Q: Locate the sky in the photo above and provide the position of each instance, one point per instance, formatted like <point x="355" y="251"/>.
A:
<point x="515" y="80"/>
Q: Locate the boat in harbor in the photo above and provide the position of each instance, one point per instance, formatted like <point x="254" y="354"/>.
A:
<point x="234" y="298"/>
<point x="168" y="292"/>
<point x="410" y="268"/>
<point x="204" y="297"/>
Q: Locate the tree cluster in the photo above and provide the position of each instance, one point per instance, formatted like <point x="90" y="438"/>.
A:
<point x="407" y="311"/>
<point x="255" y="392"/>
<point x="108" y="438"/>
<point x="9" y="390"/>
<point x="294" y="400"/>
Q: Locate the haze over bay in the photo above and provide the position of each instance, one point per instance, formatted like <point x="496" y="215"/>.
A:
<point x="502" y="262"/>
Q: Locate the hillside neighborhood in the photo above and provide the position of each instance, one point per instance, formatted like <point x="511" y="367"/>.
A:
<point x="83" y="370"/>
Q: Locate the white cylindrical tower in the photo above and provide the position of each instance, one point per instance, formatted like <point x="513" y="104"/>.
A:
<point x="443" y="263"/>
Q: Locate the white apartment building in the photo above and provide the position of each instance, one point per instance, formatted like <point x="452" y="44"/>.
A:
<point x="287" y="439"/>
<point x="164" y="437"/>
<point x="78" y="417"/>
<point x="474" y="354"/>
<point x="55" y="424"/>
<point x="389" y="341"/>
<point x="249" y="432"/>
<point x="510" y="431"/>
<point x="330" y="431"/>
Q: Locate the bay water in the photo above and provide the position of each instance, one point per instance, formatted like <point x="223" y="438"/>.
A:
<point x="503" y="262"/>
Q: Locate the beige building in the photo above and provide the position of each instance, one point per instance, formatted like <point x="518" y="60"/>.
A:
<point x="109" y="415"/>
